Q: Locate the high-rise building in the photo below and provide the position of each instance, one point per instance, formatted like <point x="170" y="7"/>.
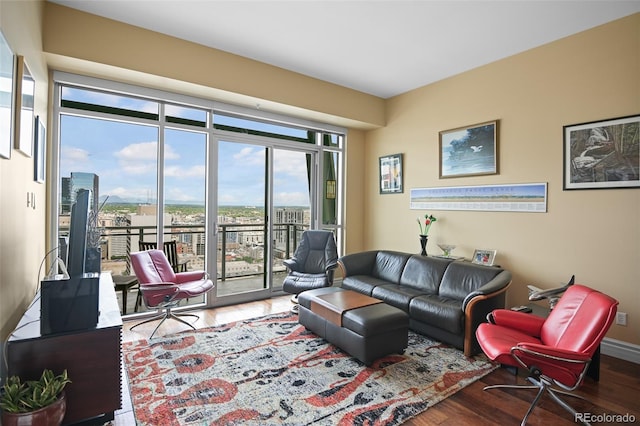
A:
<point x="66" y="200"/>
<point x="89" y="181"/>
<point x="70" y="187"/>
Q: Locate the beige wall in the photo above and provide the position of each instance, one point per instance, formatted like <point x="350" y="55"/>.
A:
<point x="22" y="229"/>
<point x="594" y="234"/>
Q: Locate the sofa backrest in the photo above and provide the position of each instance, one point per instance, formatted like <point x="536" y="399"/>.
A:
<point x="424" y="273"/>
<point x="462" y="278"/>
<point x="389" y="264"/>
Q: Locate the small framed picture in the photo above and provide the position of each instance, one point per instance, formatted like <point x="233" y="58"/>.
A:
<point x="391" y="174"/>
<point x="331" y="190"/>
<point x="39" y="151"/>
<point x="484" y="257"/>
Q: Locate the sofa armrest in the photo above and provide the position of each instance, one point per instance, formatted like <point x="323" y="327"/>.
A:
<point x="499" y="282"/>
<point x="357" y="263"/>
<point x="476" y="309"/>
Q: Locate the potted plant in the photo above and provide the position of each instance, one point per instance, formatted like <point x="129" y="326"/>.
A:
<point x="34" y="402"/>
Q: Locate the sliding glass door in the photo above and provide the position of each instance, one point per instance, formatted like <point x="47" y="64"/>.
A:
<point x="263" y="205"/>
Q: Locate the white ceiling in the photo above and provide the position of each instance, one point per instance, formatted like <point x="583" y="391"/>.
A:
<point x="383" y="48"/>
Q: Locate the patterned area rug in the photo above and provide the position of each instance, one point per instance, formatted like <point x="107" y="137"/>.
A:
<point x="271" y="370"/>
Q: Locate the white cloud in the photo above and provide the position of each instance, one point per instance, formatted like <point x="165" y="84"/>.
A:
<point x="189" y="173"/>
<point x="135" y="193"/>
<point x="72" y="154"/>
<point x="141" y="158"/>
<point x="250" y="157"/>
<point x="290" y="164"/>
<point x="144" y="151"/>
<point x="291" y="199"/>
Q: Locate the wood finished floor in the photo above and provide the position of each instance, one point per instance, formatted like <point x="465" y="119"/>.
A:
<point x="617" y="392"/>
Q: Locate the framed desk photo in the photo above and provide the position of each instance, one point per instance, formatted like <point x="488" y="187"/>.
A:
<point x="391" y="174"/>
<point x="484" y="257"/>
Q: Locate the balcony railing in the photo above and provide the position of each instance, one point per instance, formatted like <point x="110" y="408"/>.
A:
<point x="236" y="243"/>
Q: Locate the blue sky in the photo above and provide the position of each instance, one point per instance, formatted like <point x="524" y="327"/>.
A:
<point x="124" y="156"/>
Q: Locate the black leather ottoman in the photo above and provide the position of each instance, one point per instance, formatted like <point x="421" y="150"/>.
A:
<point x="366" y="333"/>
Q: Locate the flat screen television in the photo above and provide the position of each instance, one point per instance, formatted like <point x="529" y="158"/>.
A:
<point x="78" y="231"/>
<point x="71" y="303"/>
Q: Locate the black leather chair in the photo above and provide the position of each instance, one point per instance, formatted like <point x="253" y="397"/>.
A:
<point x="170" y="250"/>
<point x="312" y="265"/>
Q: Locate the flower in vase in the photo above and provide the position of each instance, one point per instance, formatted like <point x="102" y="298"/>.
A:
<point x="426" y="224"/>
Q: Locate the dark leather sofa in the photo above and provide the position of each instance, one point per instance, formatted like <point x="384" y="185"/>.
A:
<point x="446" y="299"/>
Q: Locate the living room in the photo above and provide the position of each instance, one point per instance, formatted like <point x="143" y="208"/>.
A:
<point x="587" y="77"/>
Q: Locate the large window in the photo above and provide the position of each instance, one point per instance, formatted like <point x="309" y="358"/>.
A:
<point x="232" y="189"/>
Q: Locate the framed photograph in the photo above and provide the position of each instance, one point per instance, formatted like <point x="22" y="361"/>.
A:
<point x="391" y="174"/>
<point x="469" y="151"/>
<point x="602" y="154"/>
<point x="24" y="117"/>
<point x="484" y="257"/>
<point x="39" y="151"/>
<point x="331" y="189"/>
<point x="7" y="97"/>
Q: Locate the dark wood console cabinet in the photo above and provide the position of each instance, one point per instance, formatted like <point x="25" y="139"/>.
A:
<point x="92" y="357"/>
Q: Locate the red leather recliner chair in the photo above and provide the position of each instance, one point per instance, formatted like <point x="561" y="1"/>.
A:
<point x="555" y="350"/>
<point x="162" y="288"/>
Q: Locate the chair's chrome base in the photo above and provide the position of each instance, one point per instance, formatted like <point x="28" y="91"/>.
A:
<point x="294" y="300"/>
<point x="543" y="386"/>
<point x="166" y="315"/>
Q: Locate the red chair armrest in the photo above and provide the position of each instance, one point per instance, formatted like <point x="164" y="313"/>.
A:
<point x="535" y="349"/>
<point x="185" y="277"/>
<point x="527" y="323"/>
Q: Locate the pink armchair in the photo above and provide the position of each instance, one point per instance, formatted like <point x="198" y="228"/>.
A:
<point x="162" y="288"/>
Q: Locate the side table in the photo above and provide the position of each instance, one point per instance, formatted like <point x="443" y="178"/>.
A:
<point x="124" y="283"/>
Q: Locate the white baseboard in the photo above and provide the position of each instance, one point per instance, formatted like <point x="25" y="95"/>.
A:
<point x="620" y="349"/>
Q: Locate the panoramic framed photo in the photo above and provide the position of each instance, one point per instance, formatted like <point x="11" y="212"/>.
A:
<point x="484" y="257"/>
<point x="469" y="151"/>
<point x="602" y="154"/>
<point x="391" y="174"/>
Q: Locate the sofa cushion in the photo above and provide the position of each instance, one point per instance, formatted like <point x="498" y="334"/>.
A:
<point x="442" y="312"/>
<point x="362" y="283"/>
<point x="424" y="273"/>
<point x="388" y="265"/>
<point x="396" y="295"/>
<point x="462" y="278"/>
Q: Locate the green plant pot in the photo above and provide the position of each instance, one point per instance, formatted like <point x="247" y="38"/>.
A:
<point x="51" y="415"/>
